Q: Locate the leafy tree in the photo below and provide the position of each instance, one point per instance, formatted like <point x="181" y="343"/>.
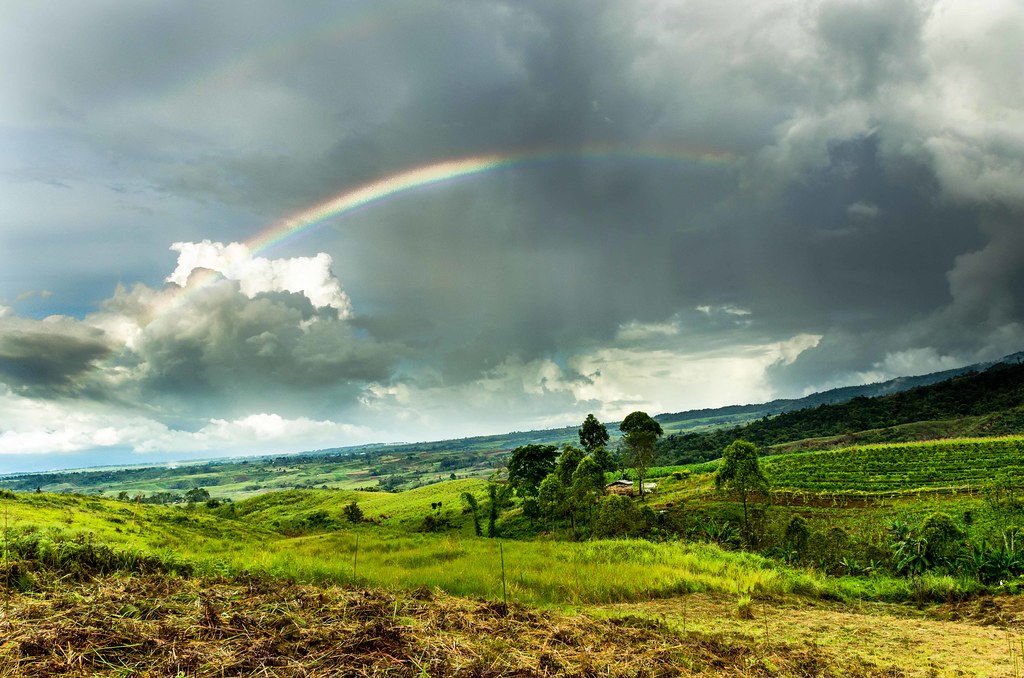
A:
<point x="567" y="463"/>
<point x="1005" y="497"/>
<point x="798" y="534"/>
<point x="740" y="473"/>
<point x="617" y="516"/>
<point x="641" y="436"/>
<point x="473" y="507"/>
<point x="531" y="510"/>
<point x="604" y="459"/>
<point x="587" y="487"/>
<point x="498" y="498"/>
<point x="552" y="497"/>
<point x="593" y="434"/>
<point x="197" y="494"/>
<point x="640" y="421"/>
<point x="943" y="537"/>
<point x="528" y="466"/>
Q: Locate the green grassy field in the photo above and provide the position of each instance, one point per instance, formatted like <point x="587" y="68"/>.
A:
<point x="301" y="537"/>
<point x="539" y="572"/>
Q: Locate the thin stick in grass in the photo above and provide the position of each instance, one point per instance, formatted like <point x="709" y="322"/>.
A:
<point x="504" y="594"/>
<point x="355" y="561"/>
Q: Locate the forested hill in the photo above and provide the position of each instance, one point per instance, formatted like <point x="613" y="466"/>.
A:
<point x="741" y="414"/>
<point x="998" y="389"/>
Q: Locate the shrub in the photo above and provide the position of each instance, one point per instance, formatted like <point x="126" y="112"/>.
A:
<point x="797" y="536"/>
<point x="353" y="513"/>
<point x="617" y="517"/>
<point x="944" y="539"/>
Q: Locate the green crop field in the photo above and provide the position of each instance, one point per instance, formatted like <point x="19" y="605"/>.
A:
<point x="948" y="464"/>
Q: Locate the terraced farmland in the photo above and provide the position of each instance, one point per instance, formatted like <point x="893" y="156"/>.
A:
<point x="955" y="464"/>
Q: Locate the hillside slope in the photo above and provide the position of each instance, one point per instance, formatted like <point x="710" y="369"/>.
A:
<point x="999" y="389"/>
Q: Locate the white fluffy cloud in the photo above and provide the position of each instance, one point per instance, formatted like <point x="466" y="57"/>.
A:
<point x="33" y="427"/>
<point x="233" y="364"/>
<point x="310" y="276"/>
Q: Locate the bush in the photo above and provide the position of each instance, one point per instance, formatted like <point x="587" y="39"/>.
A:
<point x="36" y="557"/>
<point x="945" y="540"/>
<point x="618" y="517"/>
<point x="798" y="535"/>
<point x="432" y="523"/>
<point x="353" y="513"/>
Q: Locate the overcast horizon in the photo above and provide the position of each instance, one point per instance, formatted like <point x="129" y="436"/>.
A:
<point x="248" y="228"/>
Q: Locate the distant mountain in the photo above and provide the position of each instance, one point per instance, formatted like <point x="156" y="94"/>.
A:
<point x="975" y="391"/>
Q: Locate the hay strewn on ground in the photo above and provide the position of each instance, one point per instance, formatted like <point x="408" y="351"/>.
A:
<point x="165" y="626"/>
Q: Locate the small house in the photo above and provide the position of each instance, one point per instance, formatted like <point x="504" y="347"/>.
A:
<point x="620" y="487"/>
<point x="628" y="487"/>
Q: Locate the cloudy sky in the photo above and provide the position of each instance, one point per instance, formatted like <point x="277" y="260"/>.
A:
<point x="691" y="204"/>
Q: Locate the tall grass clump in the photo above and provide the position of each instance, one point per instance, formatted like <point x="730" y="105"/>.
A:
<point x="35" y="558"/>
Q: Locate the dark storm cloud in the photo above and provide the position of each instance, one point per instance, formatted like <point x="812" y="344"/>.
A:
<point x="870" y="45"/>
<point x="48" y="359"/>
<point x="231" y="352"/>
<point x="844" y="225"/>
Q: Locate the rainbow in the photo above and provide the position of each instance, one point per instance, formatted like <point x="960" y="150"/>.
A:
<point x="448" y="171"/>
<point x="439" y="173"/>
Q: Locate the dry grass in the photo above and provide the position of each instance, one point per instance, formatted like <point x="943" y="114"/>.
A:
<point x="981" y="637"/>
<point x="165" y="626"/>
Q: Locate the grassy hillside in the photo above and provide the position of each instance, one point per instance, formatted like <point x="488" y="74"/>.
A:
<point x="976" y="404"/>
<point x="997" y="392"/>
<point x="270" y="534"/>
<point x="289" y="570"/>
<point x="284" y="576"/>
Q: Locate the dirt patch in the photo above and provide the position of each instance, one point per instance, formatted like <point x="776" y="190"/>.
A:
<point x="161" y="625"/>
<point x="1002" y="611"/>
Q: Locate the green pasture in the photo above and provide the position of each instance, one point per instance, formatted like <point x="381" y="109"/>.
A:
<point x="391" y="555"/>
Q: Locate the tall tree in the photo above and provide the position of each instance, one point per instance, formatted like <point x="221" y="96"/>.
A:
<point x="593" y="434"/>
<point x="639" y="455"/>
<point x="567" y="463"/>
<point x="473" y="506"/>
<point x="528" y="466"/>
<point x="641" y="433"/>
<point x="551" y="498"/>
<point x="740" y="473"/>
<point x="604" y="459"/>
<point x="498" y="499"/>
<point x="640" y="421"/>
<point x="587" y="488"/>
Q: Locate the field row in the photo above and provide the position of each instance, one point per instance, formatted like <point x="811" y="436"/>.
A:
<point x="961" y="463"/>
